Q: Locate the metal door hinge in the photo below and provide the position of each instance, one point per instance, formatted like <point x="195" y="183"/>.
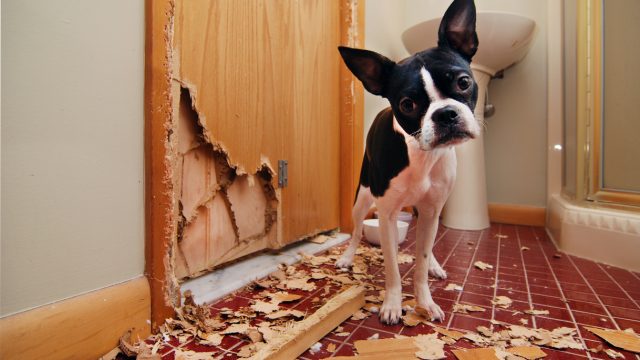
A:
<point x="283" y="177"/>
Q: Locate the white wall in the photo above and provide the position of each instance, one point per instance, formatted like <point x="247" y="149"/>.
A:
<point x="72" y="148"/>
<point x="516" y="139"/>
<point x="384" y="23"/>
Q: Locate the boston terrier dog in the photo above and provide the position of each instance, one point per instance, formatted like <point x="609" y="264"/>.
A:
<point x="409" y="158"/>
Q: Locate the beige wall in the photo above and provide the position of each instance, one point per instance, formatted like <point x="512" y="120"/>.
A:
<point x="516" y="139"/>
<point x="384" y="23"/>
<point x="72" y="148"/>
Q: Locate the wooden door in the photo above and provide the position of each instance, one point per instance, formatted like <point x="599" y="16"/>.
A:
<point x="231" y="87"/>
<point x="260" y="82"/>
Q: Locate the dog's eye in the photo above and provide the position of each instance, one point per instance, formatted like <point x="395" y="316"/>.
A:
<point x="464" y="82"/>
<point x="407" y="105"/>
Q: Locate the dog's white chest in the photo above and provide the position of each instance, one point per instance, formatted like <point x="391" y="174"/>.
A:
<point x="429" y="174"/>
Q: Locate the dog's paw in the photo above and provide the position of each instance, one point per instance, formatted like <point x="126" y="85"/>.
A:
<point x="437" y="271"/>
<point x="436" y="312"/>
<point x="345" y="261"/>
<point x="391" y="310"/>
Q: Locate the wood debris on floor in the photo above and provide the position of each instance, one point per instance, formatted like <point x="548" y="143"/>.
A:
<point x="281" y="315"/>
<point x="482" y="265"/>
<point x="623" y="339"/>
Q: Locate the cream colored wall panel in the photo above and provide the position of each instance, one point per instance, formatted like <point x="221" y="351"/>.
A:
<point x="72" y="148"/>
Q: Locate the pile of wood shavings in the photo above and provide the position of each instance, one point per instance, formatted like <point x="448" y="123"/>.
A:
<point x="196" y="323"/>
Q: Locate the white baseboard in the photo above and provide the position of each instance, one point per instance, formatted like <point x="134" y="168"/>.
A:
<point x="605" y="235"/>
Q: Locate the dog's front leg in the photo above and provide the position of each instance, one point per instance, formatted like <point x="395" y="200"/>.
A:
<point x="425" y="236"/>
<point x="391" y="310"/>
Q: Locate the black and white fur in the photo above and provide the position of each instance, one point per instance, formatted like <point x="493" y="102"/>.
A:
<point x="409" y="158"/>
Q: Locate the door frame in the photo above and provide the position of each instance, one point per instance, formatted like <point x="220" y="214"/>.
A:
<point x="161" y="212"/>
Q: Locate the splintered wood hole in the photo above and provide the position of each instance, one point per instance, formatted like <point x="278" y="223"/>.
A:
<point x="223" y="215"/>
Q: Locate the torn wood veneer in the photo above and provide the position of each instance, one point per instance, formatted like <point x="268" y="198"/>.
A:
<point x="224" y="213"/>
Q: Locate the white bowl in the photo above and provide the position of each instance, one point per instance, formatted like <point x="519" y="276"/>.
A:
<point x="402" y="216"/>
<point x="372" y="231"/>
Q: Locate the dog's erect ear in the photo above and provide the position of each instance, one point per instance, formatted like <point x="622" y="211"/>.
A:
<point x="369" y="67"/>
<point x="458" y="28"/>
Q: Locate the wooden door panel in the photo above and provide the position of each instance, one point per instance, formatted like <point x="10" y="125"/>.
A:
<point x="263" y="79"/>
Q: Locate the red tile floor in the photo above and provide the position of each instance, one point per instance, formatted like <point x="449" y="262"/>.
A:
<point x="577" y="292"/>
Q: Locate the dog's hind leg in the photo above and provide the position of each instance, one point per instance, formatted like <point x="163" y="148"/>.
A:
<point x="363" y="203"/>
<point x="435" y="269"/>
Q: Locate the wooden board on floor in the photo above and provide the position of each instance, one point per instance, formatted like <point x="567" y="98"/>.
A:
<point x="308" y="331"/>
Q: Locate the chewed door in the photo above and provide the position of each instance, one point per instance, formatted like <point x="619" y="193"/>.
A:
<point x="254" y="82"/>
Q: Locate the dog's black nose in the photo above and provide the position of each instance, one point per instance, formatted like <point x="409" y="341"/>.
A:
<point x="445" y="115"/>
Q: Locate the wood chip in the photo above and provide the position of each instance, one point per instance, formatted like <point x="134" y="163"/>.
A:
<point x="536" y="312"/>
<point x="405" y="258"/>
<point x="431" y="348"/>
<point x="210" y="339"/>
<point x="455" y="335"/>
<point x="501" y="236"/>
<point x="527" y="352"/>
<point x="452" y="287"/>
<point x="300" y="284"/>
<point x="285" y="313"/>
<point x="283" y="296"/>
<point x="517" y="331"/>
<point x="264" y="307"/>
<point x="484" y="331"/>
<point x="502" y="301"/>
<point x="620" y="339"/>
<point x="255" y="335"/>
<point x="192" y="355"/>
<point x="465" y="308"/>
<point x="236" y="329"/>
<point x="524" y="248"/>
<point x="359" y="315"/>
<point x="613" y="354"/>
<point x="426" y="314"/>
<point x="482" y="265"/>
<point x="320" y="239"/>
<point x="411" y="319"/>
<point x="331" y="347"/>
<point x="477" y="339"/>
<point x="126" y="346"/>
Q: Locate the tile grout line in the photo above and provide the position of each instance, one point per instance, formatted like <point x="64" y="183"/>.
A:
<point x="595" y="293"/>
<point x="344" y="342"/>
<point x="466" y="276"/>
<point x="526" y="277"/>
<point x="620" y="286"/>
<point x="564" y="298"/>
<point x="495" y="281"/>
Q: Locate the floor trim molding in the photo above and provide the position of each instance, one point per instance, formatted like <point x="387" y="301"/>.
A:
<point x="605" y="235"/>
<point x="83" y="327"/>
<point x="517" y="214"/>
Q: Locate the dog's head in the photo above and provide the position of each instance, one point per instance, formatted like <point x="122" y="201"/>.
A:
<point x="432" y="93"/>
